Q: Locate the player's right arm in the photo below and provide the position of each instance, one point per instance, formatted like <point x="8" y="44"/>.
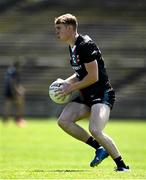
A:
<point x="72" y="79"/>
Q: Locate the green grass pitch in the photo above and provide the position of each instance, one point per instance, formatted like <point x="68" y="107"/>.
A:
<point x="42" y="150"/>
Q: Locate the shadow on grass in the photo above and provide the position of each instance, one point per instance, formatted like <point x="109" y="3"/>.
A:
<point x="60" y="170"/>
<point x="49" y="171"/>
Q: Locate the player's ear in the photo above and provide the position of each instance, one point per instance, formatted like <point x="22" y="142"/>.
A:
<point x="69" y="27"/>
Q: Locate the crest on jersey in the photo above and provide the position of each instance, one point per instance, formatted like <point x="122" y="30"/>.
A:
<point x="78" y="58"/>
<point x="74" y="59"/>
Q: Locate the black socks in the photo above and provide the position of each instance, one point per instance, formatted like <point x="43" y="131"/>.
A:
<point x="119" y="162"/>
<point x="93" y="143"/>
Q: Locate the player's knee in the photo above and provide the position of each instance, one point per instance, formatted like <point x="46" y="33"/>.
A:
<point x="62" y="123"/>
<point x="95" y="132"/>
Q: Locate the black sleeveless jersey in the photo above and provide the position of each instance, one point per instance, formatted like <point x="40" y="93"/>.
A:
<point x="86" y="51"/>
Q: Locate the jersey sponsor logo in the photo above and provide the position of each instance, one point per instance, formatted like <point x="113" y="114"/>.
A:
<point x="77" y="67"/>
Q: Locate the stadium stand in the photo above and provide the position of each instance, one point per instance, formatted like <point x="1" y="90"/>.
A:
<point x="26" y="29"/>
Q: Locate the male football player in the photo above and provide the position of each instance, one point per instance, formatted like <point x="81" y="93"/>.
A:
<point x="96" y="97"/>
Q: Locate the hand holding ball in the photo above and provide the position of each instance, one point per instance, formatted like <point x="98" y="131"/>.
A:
<point x="53" y="88"/>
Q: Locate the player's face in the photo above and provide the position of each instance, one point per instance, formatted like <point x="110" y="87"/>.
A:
<point x="62" y="32"/>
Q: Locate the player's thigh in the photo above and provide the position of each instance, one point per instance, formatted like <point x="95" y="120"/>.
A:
<point x="74" y="111"/>
<point x="99" y="116"/>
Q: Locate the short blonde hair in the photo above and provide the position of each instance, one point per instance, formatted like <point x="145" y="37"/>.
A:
<point x="67" y="19"/>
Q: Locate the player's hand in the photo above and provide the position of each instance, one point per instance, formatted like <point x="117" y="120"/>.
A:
<point x="63" y="90"/>
<point x="58" y="82"/>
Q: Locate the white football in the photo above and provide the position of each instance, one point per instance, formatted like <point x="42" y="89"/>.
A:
<point x="52" y="92"/>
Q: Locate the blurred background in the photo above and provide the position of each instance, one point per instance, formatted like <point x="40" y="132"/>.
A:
<point x="118" y="27"/>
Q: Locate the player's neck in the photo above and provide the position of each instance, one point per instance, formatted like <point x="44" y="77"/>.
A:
<point x="73" y="39"/>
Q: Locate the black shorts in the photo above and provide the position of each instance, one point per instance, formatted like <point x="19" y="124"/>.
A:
<point x="107" y="97"/>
